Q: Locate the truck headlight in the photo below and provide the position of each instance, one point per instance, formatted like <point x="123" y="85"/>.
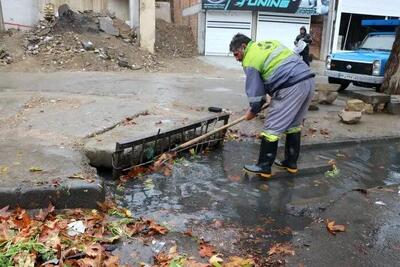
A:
<point x="328" y="62"/>
<point x="376" y="68"/>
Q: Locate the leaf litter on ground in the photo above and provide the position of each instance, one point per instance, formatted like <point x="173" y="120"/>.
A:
<point x="42" y="239"/>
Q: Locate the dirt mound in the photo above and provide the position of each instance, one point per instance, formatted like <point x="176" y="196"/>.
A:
<point x="174" y="40"/>
<point x="90" y="41"/>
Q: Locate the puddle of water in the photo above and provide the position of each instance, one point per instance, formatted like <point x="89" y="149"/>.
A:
<point x="211" y="197"/>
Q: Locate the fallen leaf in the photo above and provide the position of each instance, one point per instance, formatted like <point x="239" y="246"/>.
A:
<point x="173" y="251"/>
<point x="35" y="169"/>
<point x="188" y="233"/>
<point x="281" y="249"/>
<point x="205" y="249"/>
<point x="216" y="260"/>
<point x="112" y="261"/>
<point x="4" y="213"/>
<point x="77" y="176"/>
<point x="155" y="228"/>
<point x="264" y="187"/>
<point x="44" y="213"/>
<point x="3" y="169"/>
<point x="334" y="228"/>
<point x="21" y="218"/>
<point x="234" y="178"/>
<point x="239" y="262"/>
<point x="162" y="259"/>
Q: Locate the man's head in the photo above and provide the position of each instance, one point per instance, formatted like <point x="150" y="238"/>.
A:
<point x="238" y="45"/>
<point x="303" y="30"/>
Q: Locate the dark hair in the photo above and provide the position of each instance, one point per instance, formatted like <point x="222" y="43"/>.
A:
<point x="237" y="41"/>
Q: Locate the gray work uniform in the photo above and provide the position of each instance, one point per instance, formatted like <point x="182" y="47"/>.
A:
<point x="291" y="87"/>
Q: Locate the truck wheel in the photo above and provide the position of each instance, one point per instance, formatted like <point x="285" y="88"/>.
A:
<point x="343" y="86"/>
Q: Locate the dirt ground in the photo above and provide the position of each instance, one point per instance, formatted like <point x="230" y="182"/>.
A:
<point x="49" y="48"/>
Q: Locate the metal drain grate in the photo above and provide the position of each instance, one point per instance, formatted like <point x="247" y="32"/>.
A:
<point x="142" y="151"/>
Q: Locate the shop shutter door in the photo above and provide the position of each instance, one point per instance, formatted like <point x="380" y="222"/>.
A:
<point x="221" y="27"/>
<point x="283" y="28"/>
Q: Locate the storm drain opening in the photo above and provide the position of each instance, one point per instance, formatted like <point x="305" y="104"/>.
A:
<point x="143" y="151"/>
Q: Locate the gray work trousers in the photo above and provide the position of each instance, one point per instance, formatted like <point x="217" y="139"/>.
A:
<point x="288" y="107"/>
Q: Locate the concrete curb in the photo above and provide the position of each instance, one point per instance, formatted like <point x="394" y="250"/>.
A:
<point x="72" y="194"/>
<point x="349" y="142"/>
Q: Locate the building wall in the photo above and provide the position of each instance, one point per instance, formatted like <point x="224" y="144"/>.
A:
<point x="316" y="33"/>
<point x="163" y="11"/>
<point x="22" y="14"/>
<point x="191" y="21"/>
<point x="120" y="8"/>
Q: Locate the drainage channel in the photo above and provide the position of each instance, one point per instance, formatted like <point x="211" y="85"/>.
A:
<point x="210" y="197"/>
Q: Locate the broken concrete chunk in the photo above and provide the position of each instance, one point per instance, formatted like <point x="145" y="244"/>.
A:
<point x="313" y="107"/>
<point x="368" y="109"/>
<point x="327" y="97"/>
<point x="123" y="28"/>
<point x="3" y="53"/>
<point x="106" y="25"/>
<point x="123" y="62"/>
<point x="350" y="117"/>
<point x="87" y="45"/>
<point x="355" y="105"/>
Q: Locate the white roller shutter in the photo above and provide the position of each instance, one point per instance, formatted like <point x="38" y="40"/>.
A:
<point x="222" y="26"/>
<point x="281" y="27"/>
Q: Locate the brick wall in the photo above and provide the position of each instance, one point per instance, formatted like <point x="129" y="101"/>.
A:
<point x="191" y="21"/>
<point x="316" y="32"/>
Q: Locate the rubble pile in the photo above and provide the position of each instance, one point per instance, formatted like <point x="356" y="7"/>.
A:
<point x="5" y="57"/>
<point x="90" y="41"/>
<point x="174" y="40"/>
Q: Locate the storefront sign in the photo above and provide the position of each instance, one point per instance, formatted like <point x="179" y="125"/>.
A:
<point x="303" y="7"/>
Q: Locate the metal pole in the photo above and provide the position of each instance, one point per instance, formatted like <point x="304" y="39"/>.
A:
<point x="2" y="28"/>
<point x="347" y="32"/>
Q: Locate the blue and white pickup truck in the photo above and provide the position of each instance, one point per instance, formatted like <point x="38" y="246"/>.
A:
<point x="364" y="66"/>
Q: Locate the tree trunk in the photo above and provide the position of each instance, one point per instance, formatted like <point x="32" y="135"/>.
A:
<point x="391" y="82"/>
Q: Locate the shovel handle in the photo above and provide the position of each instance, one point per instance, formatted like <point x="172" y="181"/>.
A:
<point x="204" y="136"/>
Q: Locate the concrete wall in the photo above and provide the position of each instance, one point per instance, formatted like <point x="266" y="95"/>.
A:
<point x="21" y="14"/>
<point x="120" y="8"/>
<point x="24" y="14"/>
<point x="147" y="24"/>
<point x="163" y="11"/>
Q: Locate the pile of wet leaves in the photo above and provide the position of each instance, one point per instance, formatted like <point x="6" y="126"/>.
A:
<point x="86" y="238"/>
<point x="73" y="237"/>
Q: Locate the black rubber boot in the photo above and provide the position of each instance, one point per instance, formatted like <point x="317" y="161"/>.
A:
<point x="292" y="151"/>
<point x="265" y="160"/>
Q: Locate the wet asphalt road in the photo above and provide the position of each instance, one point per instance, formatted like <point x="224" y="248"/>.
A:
<point x="240" y="215"/>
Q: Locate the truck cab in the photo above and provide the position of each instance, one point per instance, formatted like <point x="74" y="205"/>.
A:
<point x="366" y="65"/>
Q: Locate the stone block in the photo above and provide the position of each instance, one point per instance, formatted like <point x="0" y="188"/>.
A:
<point x="107" y="26"/>
<point x="368" y="109"/>
<point x="368" y="96"/>
<point x="327" y="97"/>
<point x="354" y="105"/>
<point x="393" y="108"/>
<point x="350" y="117"/>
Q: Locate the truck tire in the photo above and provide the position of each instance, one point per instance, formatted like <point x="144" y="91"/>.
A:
<point x="343" y="86"/>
